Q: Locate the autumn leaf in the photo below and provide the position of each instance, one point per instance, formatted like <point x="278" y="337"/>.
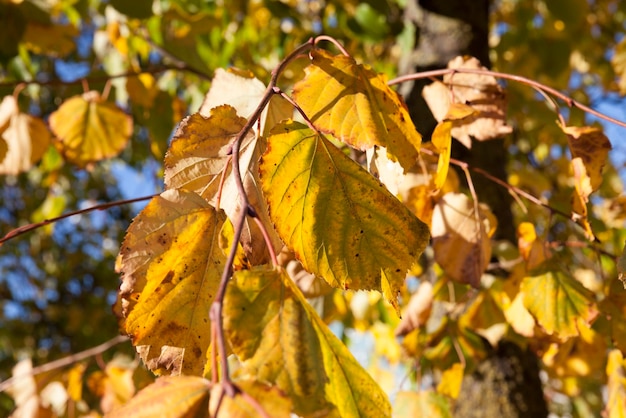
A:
<point x="356" y="106"/>
<point x="480" y="92"/>
<point x="418" y="309"/>
<point x="442" y="138"/>
<point x="619" y="65"/>
<point x="23" y="138"/>
<point x="274" y="402"/>
<point x="590" y="148"/>
<point x="244" y="92"/>
<point x="90" y="129"/>
<point x="451" y="379"/>
<point x="199" y="156"/>
<point x="171" y="265"/>
<point x="532" y="249"/>
<point x="280" y="339"/>
<point x="453" y="342"/>
<point x="341" y="222"/>
<point x="423" y="403"/>
<point x="558" y="301"/>
<point x="114" y="385"/>
<point x="616" y="373"/>
<point x="51" y="39"/>
<point x="462" y="238"/>
<point x="169" y="396"/>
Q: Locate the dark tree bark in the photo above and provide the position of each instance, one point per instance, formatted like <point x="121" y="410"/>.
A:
<point x="507" y="382"/>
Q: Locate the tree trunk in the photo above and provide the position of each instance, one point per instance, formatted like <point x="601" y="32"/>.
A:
<point x="507" y="382"/>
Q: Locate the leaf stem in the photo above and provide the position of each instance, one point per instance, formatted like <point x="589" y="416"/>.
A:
<point x="215" y="313"/>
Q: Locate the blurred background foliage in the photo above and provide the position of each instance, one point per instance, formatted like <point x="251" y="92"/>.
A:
<point x="156" y="57"/>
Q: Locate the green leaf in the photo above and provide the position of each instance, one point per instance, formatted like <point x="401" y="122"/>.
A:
<point x="339" y="220"/>
<point x="357" y="106"/>
<point x="558" y="301"/>
<point x="280" y="339"/>
<point x="171" y="397"/>
<point x="171" y="265"/>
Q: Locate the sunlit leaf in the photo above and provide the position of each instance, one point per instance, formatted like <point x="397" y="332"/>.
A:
<point x="244" y="92"/>
<point x="170" y="397"/>
<point x="199" y="156"/>
<point x="355" y="104"/>
<point x="274" y="402"/>
<point x="24" y="138"/>
<point x="461" y="237"/>
<point x="558" y="301"/>
<point x="90" y="129"/>
<point x="442" y="140"/>
<point x="340" y="221"/>
<point x="616" y="373"/>
<point x="114" y="385"/>
<point x="423" y="403"/>
<point x="451" y="379"/>
<point x="577" y="356"/>
<point x="480" y="92"/>
<point x="280" y="339"/>
<point x="171" y="264"/>
<point x="533" y="250"/>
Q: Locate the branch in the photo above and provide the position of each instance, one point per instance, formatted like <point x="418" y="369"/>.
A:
<point x="523" y="80"/>
<point x="27" y="228"/>
<point x="66" y="361"/>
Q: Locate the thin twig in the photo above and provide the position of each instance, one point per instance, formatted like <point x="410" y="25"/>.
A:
<point x="333" y="41"/>
<point x="27" y="228"/>
<point x="527" y="81"/>
<point x="65" y="361"/>
<point x="215" y="312"/>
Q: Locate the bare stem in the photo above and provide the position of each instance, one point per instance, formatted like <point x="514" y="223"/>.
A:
<point x="215" y="312"/>
<point x="27" y="228"/>
<point x="335" y="42"/>
<point x="66" y="361"/>
<point x="523" y="80"/>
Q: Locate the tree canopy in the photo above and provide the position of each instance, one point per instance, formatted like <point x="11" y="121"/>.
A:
<point x="244" y="184"/>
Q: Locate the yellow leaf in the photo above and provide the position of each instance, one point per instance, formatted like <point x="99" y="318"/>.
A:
<point x="557" y="301"/>
<point x="90" y="129"/>
<point x="355" y="105"/>
<point x="142" y="89"/>
<point x="280" y="339"/>
<point x="25" y="138"/>
<point x="616" y="373"/>
<point x="339" y="220"/>
<point x="577" y="357"/>
<point x="533" y="250"/>
<point x="75" y="381"/>
<point x="451" y="379"/>
<point x="198" y="157"/>
<point x="171" y="265"/>
<point x="461" y="238"/>
<point x="273" y="401"/>
<point x="442" y="140"/>
<point x="168" y="397"/>
<point x="115" y="385"/>
<point x="452" y="343"/>
<point x="50" y="39"/>
<point x="424" y="403"/>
